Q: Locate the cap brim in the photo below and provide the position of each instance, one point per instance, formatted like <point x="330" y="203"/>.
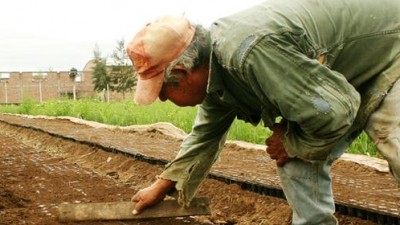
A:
<point x="148" y="90"/>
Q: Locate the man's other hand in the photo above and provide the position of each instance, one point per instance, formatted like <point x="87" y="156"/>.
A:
<point x="151" y="195"/>
<point x="274" y="143"/>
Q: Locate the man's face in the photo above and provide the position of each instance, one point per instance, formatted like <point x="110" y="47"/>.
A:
<point x="191" y="88"/>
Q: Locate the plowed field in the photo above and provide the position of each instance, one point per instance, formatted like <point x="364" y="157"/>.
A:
<point x="39" y="171"/>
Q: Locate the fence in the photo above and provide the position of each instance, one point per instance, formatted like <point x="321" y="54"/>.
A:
<point x="15" y="87"/>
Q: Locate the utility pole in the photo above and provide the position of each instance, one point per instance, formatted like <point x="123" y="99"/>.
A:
<point x="73" y="73"/>
<point x="5" y="77"/>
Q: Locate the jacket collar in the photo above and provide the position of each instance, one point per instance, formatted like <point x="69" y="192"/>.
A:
<point x="215" y="82"/>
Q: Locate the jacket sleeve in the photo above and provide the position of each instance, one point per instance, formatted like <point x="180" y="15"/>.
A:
<point x="319" y="103"/>
<point x="199" y="150"/>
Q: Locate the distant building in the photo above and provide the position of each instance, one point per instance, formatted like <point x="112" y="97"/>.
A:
<point x="15" y="87"/>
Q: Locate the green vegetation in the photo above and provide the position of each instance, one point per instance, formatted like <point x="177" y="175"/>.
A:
<point x="101" y="80"/>
<point x="122" y="75"/>
<point x="119" y="76"/>
<point x="126" y="113"/>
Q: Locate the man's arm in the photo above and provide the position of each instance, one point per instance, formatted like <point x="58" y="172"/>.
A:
<point x="318" y="103"/>
<point x="197" y="154"/>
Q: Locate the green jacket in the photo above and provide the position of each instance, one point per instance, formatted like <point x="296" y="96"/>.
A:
<point x="264" y="65"/>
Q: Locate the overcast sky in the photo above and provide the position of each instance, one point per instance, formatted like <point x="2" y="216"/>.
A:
<point x="42" y="35"/>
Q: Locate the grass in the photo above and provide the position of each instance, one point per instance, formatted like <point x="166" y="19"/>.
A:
<point x="126" y="113"/>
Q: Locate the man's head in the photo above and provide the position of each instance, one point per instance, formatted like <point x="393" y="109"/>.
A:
<point x="153" y="49"/>
<point x="186" y="77"/>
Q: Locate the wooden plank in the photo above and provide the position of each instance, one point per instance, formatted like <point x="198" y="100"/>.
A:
<point x="123" y="210"/>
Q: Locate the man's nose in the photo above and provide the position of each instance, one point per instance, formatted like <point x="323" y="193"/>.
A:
<point x="162" y="96"/>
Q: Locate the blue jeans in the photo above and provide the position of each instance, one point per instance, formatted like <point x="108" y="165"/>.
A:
<point x="308" y="188"/>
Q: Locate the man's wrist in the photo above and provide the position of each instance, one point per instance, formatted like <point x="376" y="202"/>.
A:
<point x="163" y="186"/>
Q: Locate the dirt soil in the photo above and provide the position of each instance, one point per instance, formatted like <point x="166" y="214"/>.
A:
<point x="39" y="171"/>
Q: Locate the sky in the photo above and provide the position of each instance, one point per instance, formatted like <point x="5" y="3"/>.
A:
<point x="56" y="35"/>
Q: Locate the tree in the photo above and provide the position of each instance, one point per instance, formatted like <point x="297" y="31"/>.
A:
<point x="101" y="80"/>
<point x="122" y="74"/>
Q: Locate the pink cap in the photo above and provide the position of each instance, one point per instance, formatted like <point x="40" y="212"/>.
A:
<point x="152" y="49"/>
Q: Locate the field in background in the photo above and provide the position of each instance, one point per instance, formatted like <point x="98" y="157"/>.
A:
<point x="126" y="113"/>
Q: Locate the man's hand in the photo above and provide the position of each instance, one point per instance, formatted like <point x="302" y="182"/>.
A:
<point x="151" y="195"/>
<point x="274" y="143"/>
